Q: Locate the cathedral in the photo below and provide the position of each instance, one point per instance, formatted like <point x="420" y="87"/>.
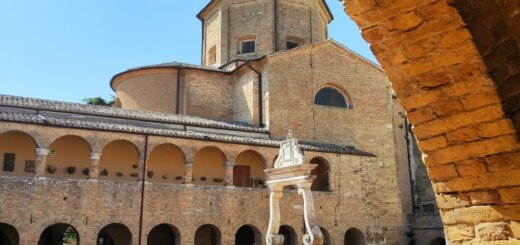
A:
<point x="180" y="157"/>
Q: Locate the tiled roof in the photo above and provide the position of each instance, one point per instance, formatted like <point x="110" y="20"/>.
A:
<point x="64" y="114"/>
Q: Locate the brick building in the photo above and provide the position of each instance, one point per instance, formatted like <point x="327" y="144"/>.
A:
<point x="180" y="158"/>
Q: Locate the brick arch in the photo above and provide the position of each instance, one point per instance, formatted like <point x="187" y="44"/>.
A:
<point x="341" y="89"/>
<point x="453" y="93"/>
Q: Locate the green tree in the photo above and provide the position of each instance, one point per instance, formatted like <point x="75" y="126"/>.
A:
<point x="98" y="101"/>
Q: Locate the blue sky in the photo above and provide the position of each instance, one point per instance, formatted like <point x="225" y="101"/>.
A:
<point x="69" y="50"/>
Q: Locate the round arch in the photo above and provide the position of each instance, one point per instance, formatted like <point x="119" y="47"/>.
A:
<point x="69" y="157"/>
<point x="248" y="235"/>
<point x="354" y="236"/>
<point x="115" y="233"/>
<point x="332" y="96"/>
<point x="207" y="235"/>
<point x="209" y="166"/>
<point x="8" y="235"/>
<point x="119" y="161"/>
<point x="60" y="233"/>
<point x="289" y="235"/>
<point x="322" y="172"/>
<point x="164" y="234"/>
<point x="326" y="236"/>
<point x="18" y="152"/>
<point x="249" y="169"/>
<point x="165" y="164"/>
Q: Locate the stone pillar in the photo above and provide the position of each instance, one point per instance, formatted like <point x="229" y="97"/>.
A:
<point x="140" y="170"/>
<point x="272" y="237"/>
<point x="229" y="173"/>
<point x="188" y="173"/>
<point x="93" y="173"/>
<point x="41" y="162"/>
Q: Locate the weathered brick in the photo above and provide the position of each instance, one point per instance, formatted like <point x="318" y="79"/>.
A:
<point x="497" y="128"/>
<point x="474" y="101"/>
<point x="510" y="195"/>
<point x="447" y="107"/>
<point x="375" y="33"/>
<point x="434" y="143"/>
<point x="481" y="182"/>
<point x="462" y="135"/>
<point x="503" y="162"/>
<point x="460" y="232"/>
<point x="456" y="121"/>
<point x="515" y="228"/>
<point x="451" y="201"/>
<point x="471" y="167"/>
<point x="419" y="100"/>
<point x="433" y="79"/>
<point x="484" y="197"/>
<point x="421" y="115"/>
<point x="493" y="231"/>
<point x="481" y="214"/>
<point x="474" y="149"/>
<point x="361" y="6"/>
<point x="442" y="172"/>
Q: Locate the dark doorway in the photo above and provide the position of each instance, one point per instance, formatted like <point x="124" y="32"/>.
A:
<point x="326" y="236"/>
<point x="242" y="176"/>
<point x="321" y="183"/>
<point x="8" y="235"/>
<point x="163" y="234"/>
<point x="207" y="235"/>
<point x="59" y="234"/>
<point x="248" y="235"/>
<point x="114" y="234"/>
<point x="289" y="235"/>
<point x="354" y="237"/>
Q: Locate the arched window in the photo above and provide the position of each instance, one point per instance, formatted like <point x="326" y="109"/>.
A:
<point x="289" y="235"/>
<point x="207" y="235"/>
<point x="212" y="55"/>
<point x="114" y="234"/>
<point x="354" y="237"/>
<point x="59" y="234"/>
<point x="330" y="97"/>
<point x="248" y="235"/>
<point x="8" y="235"/>
<point x="321" y="172"/>
<point x="164" y="234"/>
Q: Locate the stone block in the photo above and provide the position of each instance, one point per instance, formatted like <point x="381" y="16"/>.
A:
<point x="460" y="232"/>
<point x="493" y="231"/>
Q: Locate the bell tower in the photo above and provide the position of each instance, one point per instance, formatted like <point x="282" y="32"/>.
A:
<point x="242" y="30"/>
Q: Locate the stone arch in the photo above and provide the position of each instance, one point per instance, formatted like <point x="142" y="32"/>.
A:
<point x="69" y="157"/>
<point x="58" y="234"/>
<point x="164" y="234"/>
<point x="207" y="235"/>
<point x="119" y="161"/>
<point x="115" y="233"/>
<point x="438" y="241"/>
<point x="289" y="235"/>
<point x="354" y="236"/>
<point x="326" y="236"/>
<point x="248" y="235"/>
<point x="456" y="76"/>
<point x="209" y="166"/>
<point x="322" y="173"/>
<point x="249" y="169"/>
<point x="165" y="164"/>
<point x="9" y="235"/>
<point x="17" y="153"/>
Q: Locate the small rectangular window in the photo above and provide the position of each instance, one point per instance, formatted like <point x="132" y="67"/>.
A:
<point x="292" y="44"/>
<point x="9" y="159"/>
<point x="247" y="47"/>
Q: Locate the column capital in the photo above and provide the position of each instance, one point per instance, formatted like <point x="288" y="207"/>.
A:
<point x="230" y="164"/>
<point x="95" y="155"/>
<point x="42" y="152"/>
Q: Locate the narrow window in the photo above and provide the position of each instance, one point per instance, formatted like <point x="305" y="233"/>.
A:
<point x="9" y="162"/>
<point x="212" y="55"/>
<point x="330" y="97"/>
<point x="292" y="44"/>
<point x="247" y="47"/>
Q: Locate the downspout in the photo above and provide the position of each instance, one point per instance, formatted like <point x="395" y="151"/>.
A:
<point x="178" y="93"/>
<point x="142" y="188"/>
<point x="408" y="144"/>
<point x="275" y="25"/>
<point x="260" y="101"/>
<point x="203" y="43"/>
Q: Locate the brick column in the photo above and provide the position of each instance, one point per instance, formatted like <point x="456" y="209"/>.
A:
<point x="140" y="168"/>
<point x="188" y="172"/>
<point x="228" y="180"/>
<point x="93" y="173"/>
<point x="41" y="162"/>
